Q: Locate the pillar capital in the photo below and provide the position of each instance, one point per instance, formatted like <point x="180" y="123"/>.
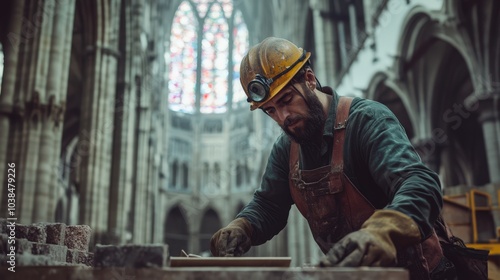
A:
<point x="487" y="103"/>
<point x="108" y="50"/>
<point x="36" y="110"/>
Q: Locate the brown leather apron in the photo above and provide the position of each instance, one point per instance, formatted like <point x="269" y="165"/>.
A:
<point x="325" y="196"/>
<point x="334" y="207"/>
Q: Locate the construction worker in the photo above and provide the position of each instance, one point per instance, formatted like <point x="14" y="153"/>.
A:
<point x="348" y="166"/>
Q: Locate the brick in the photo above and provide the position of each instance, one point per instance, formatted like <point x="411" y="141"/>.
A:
<point x="54" y="252"/>
<point x="89" y="260"/>
<point x="55" y="233"/>
<point x="72" y="255"/>
<point x="37" y="233"/>
<point x="22" y="231"/>
<point x="23" y="246"/>
<point x="79" y="257"/>
<point x="134" y="256"/>
<point x="77" y="237"/>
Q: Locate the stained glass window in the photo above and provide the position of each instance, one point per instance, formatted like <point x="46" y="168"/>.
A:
<point x="183" y="57"/>
<point x="240" y="33"/>
<point x="202" y="50"/>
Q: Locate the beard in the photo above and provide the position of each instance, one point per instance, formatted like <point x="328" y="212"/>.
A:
<point x="313" y="123"/>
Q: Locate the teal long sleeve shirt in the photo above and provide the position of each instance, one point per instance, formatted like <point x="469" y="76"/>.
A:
<point x="378" y="159"/>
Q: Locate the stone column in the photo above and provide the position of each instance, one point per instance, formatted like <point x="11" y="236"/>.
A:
<point x="7" y="114"/>
<point x="488" y="105"/>
<point x="37" y="58"/>
<point x="120" y="194"/>
<point x="142" y="182"/>
<point x="97" y="111"/>
<point x="49" y="151"/>
<point x="64" y="78"/>
<point x="324" y="30"/>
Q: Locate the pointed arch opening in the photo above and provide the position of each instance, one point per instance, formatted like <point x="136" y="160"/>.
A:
<point x="439" y="80"/>
<point x="210" y="223"/>
<point x="457" y="130"/>
<point x="386" y="95"/>
<point x="176" y="232"/>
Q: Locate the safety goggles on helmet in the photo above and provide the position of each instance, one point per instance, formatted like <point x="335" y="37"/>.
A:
<point x="258" y="88"/>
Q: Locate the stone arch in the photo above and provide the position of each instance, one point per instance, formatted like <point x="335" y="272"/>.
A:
<point x="176" y="231"/>
<point x="479" y="22"/>
<point x="68" y="192"/>
<point x="381" y="90"/>
<point x="437" y="78"/>
<point x="210" y="223"/>
<point x="457" y="134"/>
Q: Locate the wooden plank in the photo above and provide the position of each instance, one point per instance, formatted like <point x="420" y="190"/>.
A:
<point x="231" y="262"/>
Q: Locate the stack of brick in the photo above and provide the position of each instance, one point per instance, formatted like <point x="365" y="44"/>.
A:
<point x="46" y="243"/>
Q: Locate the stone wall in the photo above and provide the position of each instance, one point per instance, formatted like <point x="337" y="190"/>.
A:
<point x="45" y="244"/>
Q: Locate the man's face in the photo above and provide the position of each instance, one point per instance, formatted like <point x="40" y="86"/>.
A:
<point x="299" y="114"/>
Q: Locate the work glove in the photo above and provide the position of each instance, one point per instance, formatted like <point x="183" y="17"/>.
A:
<point x="376" y="243"/>
<point x="232" y="241"/>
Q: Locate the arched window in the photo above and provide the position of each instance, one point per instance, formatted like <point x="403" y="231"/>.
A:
<point x="207" y="42"/>
<point x="217" y="175"/>
<point x="239" y="175"/>
<point x="206" y="172"/>
<point x="173" y="174"/>
<point x="185" y="176"/>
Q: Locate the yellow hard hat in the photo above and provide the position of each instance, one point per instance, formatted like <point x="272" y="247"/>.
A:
<point x="268" y="67"/>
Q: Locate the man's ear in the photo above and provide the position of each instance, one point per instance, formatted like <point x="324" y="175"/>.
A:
<point x="310" y="79"/>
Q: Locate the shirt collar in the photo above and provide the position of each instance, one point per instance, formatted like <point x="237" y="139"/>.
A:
<point x="328" y="130"/>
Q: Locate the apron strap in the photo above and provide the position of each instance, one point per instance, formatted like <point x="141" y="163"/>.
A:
<point x="339" y="133"/>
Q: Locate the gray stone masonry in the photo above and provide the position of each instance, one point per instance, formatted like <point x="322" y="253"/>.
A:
<point x="22" y="231"/>
<point x="56" y="233"/>
<point x="55" y="252"/>
<point x="78" y="237"/>
<point x="137" y="256"/>
<point x="46" y="244"/>
<point x="37" y="233"/>
<point x="23" y="246"/>
<point x="80" y="257"/>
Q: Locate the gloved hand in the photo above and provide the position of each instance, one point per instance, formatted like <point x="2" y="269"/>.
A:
<point x="376" y="242"/>
<point x="232" y="241"/>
